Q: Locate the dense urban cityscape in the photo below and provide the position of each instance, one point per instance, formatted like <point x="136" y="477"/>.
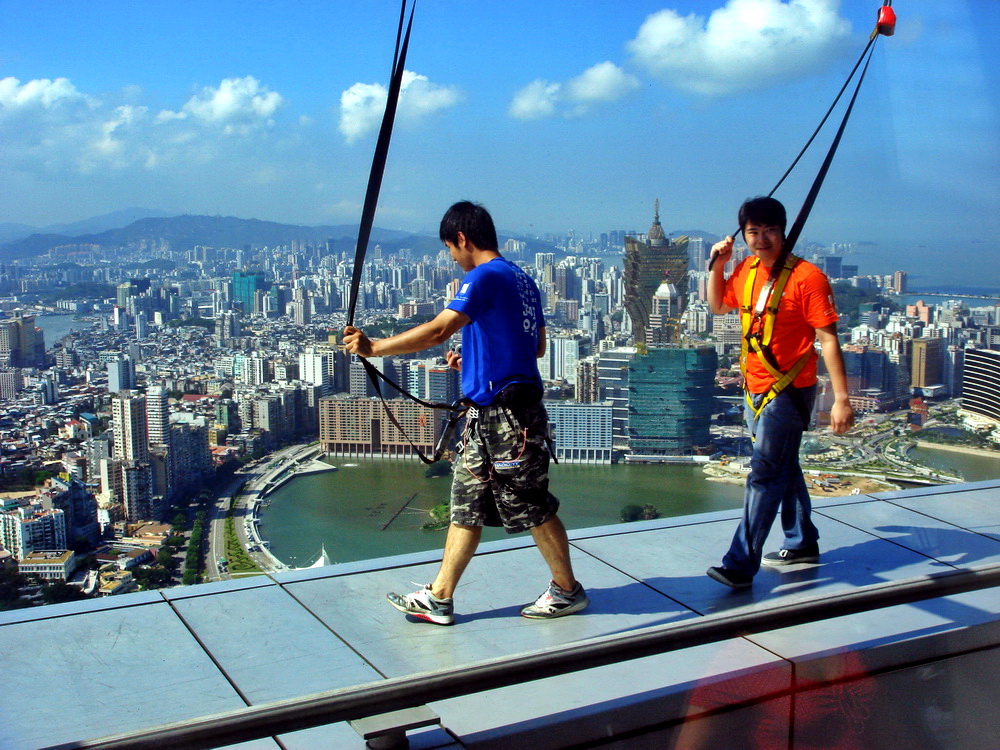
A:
<point x="187" y="363"/>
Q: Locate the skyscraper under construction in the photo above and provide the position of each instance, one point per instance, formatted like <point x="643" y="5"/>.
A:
<point x="649" y="264"/>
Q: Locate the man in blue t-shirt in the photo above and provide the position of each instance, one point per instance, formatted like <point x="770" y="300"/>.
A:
<point x="501" y="473"/>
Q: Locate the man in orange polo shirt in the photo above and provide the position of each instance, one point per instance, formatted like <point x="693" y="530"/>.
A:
<point x="805" y="313"/>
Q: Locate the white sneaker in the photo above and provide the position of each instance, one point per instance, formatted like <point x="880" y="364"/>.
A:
<point x="423" y="604"/>
<point x="554" y="602"/>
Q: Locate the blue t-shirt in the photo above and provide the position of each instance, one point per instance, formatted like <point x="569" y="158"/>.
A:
<point x="500" y="345"/>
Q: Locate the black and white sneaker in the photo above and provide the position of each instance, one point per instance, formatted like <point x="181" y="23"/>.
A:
<point x="555" y="602"/>
<point x="792" y="556"/>
<point x="423" y="604"/>
<point x="729" y="578"/>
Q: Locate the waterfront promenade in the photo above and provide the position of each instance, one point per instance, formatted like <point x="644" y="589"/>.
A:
<point x="879" y="679"/>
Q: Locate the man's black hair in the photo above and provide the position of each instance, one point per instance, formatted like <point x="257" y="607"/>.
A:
<point x="472" y="220"/>
<point x="763" y="210"/>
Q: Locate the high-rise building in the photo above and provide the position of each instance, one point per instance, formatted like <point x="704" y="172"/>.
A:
<point x="316" y="367"/>
<point x="22" y="344"/>
<point x="227" y="326"/>
<point x="866" y="368"/>
<point x="157" y="415"/>
<point x="672" y="391"/>
<point x="11" y="383"/>
<point x="665" y="315"/>
<point x="121" y="375"/>
<point x="613" y="383"/>
<point x="131" y="454"/>
<point x="562" y="352"/>
<point x="246" y="284"/>
<point x="582" y="432"/>
<point x="29" y="528"/>
<point x="128" y="419"/>
<point x="927" y="362"/>
<point x="981" y="384"/>
<point x="832" y="266"/>
<point x="899" y="282"/>
<point x="587" y="390"/>
<point x="647" y="265"/>
<point x="359" y="427"/>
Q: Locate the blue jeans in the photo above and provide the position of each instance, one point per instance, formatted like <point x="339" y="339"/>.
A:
<point x="775" y="482"/>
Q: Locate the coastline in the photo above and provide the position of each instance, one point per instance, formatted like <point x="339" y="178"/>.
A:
<point x="819" y="483"/>
<point x="959" y="449"/>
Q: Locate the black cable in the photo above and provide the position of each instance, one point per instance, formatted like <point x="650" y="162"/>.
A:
<point x="800" y="220"/>
<point x="379" y="159"/>
<point x="819" y="127"/>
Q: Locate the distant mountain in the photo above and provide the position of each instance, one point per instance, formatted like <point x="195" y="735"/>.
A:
<point x="184" y="232"/>
<point x="10" y="232"/>
<point x="709" y="237"/>
<point x="113" y="220"/>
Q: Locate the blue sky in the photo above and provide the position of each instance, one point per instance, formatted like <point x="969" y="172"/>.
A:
<point x="557" y="115"/>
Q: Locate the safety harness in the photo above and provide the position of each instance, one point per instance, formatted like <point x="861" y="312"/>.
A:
<point x="757" y="319"/>
<point x="757" y="324"/>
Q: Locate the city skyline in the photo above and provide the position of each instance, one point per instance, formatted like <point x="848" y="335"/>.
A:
<point x="555" y="121"/>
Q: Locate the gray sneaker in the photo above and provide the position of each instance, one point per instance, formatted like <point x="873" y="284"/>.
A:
<point x="554" y="602"/>
<point x="423" y="604"/>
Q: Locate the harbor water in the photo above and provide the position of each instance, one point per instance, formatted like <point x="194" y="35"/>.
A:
<point x="376" y="508"/>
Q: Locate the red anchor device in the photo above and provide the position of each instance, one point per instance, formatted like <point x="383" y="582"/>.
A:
<point x="886" y="23"/>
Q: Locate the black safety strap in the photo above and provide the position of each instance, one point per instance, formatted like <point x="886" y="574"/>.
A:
<point x="457" y="410"/>
<point x="364" y="235"/>
<point x="800" y="220"/>
<point x="379" y="159"/>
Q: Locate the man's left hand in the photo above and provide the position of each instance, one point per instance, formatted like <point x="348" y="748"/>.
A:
<point x="841" y="417"/>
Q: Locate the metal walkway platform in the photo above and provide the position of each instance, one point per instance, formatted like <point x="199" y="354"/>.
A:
<point x="84" y="670"/>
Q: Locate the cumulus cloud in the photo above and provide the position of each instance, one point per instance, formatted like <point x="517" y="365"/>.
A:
<point x="604" y="82"/>
<point x="40" y="94"/>
<point x="745" y="45"/>
<point x="362" y="105"/>
<point x="237" y="105"/>
<point x="599" y="84"/>
<point x="123" y="118"/>
<point x="537" y="99"/>
<point x="51" y="125"/>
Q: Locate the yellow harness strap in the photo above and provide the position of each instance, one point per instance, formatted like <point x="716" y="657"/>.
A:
<point x="759" y="341"/>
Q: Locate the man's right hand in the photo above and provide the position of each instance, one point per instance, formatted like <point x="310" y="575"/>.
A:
<point x="721" y="252"/>
<point x="454" y="359"/>
<point x="356" y="342"/>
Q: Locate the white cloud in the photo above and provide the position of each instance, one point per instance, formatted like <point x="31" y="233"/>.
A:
<point x="604" y="82"/>
<point x="745" y="45"/>
<point x="536" y="100"/>
<point x="599" y="84"/>
<point x="39" y="94"/>
<point x="111" y="142"/>
<point x="51" y="125"/>
<point x="237" y="105"/>
<point x="362" y="105"/>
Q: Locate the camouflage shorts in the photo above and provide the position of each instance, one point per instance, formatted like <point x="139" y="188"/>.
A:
<point x="501" y="473"/>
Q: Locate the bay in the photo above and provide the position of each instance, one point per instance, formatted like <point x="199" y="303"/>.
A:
<point x="375" y="508"/>
<point x="56" y="326"/>
<point x="972" y="467"/>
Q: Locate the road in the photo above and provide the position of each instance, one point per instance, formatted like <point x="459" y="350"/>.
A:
<point x="252" y="474"/>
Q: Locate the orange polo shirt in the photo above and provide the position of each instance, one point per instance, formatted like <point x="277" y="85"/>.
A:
<point x="806" y="305"/>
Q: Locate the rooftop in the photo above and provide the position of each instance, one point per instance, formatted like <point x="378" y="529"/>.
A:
<point x="138" y="660"/>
